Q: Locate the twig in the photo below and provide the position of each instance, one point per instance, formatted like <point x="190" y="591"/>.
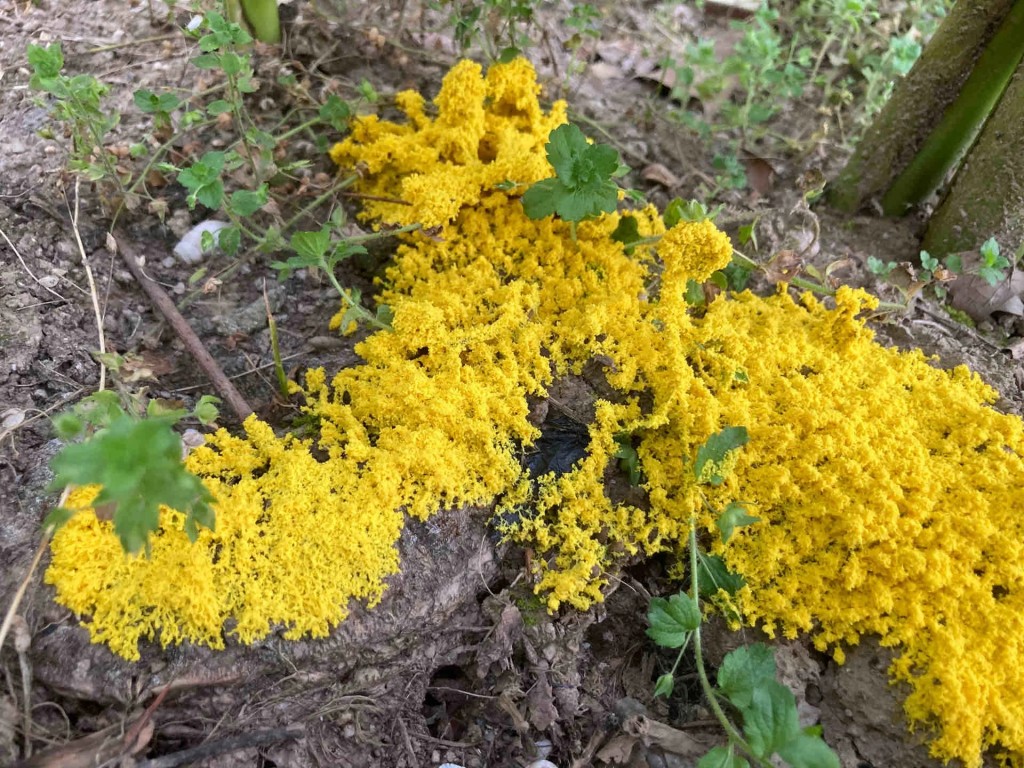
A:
<point x="92" y="283"/>
<point x="181" y="327"/>
<point x="20" y="594"/>
<point x="230" y="744"/>
<point x="408" y="744"/>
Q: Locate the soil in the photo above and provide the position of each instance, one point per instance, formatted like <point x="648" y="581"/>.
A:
<point x="459" y="664"/>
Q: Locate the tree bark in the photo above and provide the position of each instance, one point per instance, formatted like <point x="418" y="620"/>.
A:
<point x="986" y="198"/>
<point x="918" y="103"/>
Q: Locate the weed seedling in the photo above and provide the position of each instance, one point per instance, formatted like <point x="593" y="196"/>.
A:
<point x="746" y="682"/>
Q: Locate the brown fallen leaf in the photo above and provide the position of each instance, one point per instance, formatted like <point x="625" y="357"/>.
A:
<point x="659" y="174"/>
<point x="760" y="174"/>
<point x="973" y="295"/>
<point x="783" y="266"/>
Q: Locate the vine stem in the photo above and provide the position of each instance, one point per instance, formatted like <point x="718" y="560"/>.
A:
<point x="735" y="737"/>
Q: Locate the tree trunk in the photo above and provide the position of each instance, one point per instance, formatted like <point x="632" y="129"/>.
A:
<point x="987" y="195"/>
<point x="918" y="103"/>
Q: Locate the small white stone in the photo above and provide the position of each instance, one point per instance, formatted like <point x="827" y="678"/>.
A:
<point x="190" y="248"/>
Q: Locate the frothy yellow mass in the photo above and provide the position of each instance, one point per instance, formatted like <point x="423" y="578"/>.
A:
<point x="889" y="492"/>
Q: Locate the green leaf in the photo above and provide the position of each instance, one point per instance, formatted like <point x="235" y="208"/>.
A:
<point x="733" y="516"/>
<point x="694" y="295"/>
<point x="218" y="107"/>
<point x="312" y="246"/>
<point x="229" y="239"/>
<point x="45" y="62"/>
<point x="672" y="621"/>
<point x="67" y="425"/>
<point x="928" y="261"/>
<point x="807" y="750"/>
<point x="743" y="670"/>
<point x="954" y="262"/>
<point x="206" y="61"/>
<point x="713" y="574"/>
<point x="710" y="456"/>
<point x="206" y="410"/>
<point x="150" y="102"/>
<point x="627" y="232"/>
<point x="138" y="464"/>
<point x="582" y="186"/>
<point x="771" y="722"/>
<point x="722" y="757"/>
<point x="540" y="200"/>
<point x="665" y="685"/>
<point x="990" y="253"/>
<point x="335" y="112"/>
<point x="629" y="459"/>
<point x="245" y="202"/>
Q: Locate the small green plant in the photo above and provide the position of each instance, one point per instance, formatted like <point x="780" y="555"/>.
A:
<point x="583" y="186"/>
<point x="136" y="458"/>
<point x="990" y="266"/>
<point x="502" y="27"/>
<point x="834" y="57"/>
<point x="318" y="250"/>
<point x="76" y="101"/>
<point x="766" y="710"/>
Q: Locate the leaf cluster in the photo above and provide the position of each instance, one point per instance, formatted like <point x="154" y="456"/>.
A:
<point x="136" y="461"/>
<point x="583" y="185"/>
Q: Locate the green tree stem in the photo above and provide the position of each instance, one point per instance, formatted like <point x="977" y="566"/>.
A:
<point x="698" y="654"/>
<point x="963" y="120"/>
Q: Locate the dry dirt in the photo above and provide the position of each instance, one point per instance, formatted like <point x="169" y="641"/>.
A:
<point x="459" y="664"/>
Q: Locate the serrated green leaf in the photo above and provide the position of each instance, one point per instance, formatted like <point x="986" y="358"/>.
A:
<point x="229" y="240"/>
<point x="67" y="426"/>
<point x="672" y="621"/>
<point x="807" y="750"/>
<point x="771" y="722"/>
<point x="733" y="516"/>
<point x="311" y="246"/>
<point x="138" y="466"/>
<point x="711" y="455"/>
<point x="694" y="295"/>
<point x="713" y="574"/>
<point x="46" y="62"/>
<point x="211" y="195"/>
<point x="722" y="757"/>
<point x="565" y="144"/>
<point x="206" y="61"/>
<point x="744" y="670"/>
<point x="245" y="202"/>
<point x="665" y="685"/>
<point x="540" y="200"/>
<point x="954" y="262"/>
<point x="218" y="107"/>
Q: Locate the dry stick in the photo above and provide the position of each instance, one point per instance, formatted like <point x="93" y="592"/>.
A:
<point x="230" y="744"/>
<point x="23" y="587"/>
<point x="181" y="327"/>
<point x="92" y="283"/>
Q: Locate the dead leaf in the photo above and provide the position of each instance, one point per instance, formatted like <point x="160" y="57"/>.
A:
<point x="618" y="750"/>
<point x="497" y="647"/>
<point x="783" y="266"/>
<point x="540" y="704"/>
<point x="659" y="174"/>
<point x="760" y="174"/>
<point x="655" y="734"/>
<point x="973" y="295"/>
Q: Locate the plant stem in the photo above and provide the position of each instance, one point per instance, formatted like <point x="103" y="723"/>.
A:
<point x="709" y="692"/>
<point x="347" y="298"/>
